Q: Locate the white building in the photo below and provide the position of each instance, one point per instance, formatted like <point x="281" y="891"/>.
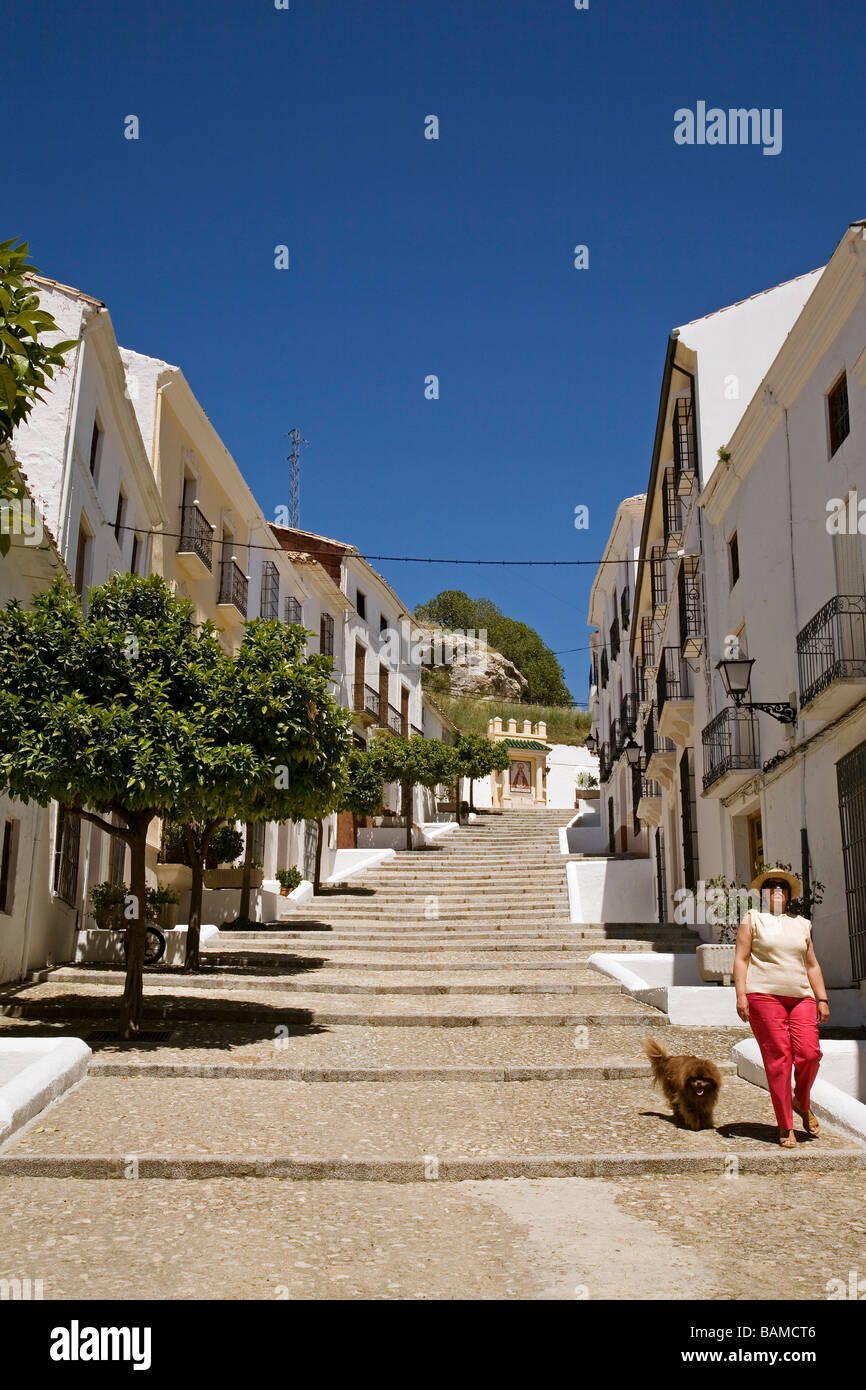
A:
<point x="784" y="530"/>
<point x="84" y="460"/>
<point x="614" y="696"/>
<point x="713" y="368"/>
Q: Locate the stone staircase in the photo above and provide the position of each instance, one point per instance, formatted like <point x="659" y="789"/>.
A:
<point x="447" y="1000"/>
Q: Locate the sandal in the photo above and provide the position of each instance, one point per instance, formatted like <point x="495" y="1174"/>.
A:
<point x="787" y="1141"/>
<point x="810" y="1123"/>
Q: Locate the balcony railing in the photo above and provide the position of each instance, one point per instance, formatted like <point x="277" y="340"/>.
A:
<point x="685" y="444"/>
<point x="652" y="742"/>
<point x="366" y="700"/>
<point x="832" y="646"/>
<point x="647" y="642"/>
<point x="395" y="721"/>
<point x="658" y="576"/>
<point x="615" y="739"/>
<point x="674" y="678"/>
<point x="234" y="586"/>
<point x="672" y="512"/>
<point x="649" y="788"/>
<point x="614" y="639"/>
<point x="604" y="763"/>
<point x="730" y="744"/>
<point x="628" y="715"/>
<point x="196" y="535"/>
<point x="689" y="594"/>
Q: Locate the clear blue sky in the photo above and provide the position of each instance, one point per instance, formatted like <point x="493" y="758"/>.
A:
<point x="408" y="257"/>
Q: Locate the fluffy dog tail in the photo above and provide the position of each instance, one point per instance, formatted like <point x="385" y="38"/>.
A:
<point x="657" y="1055"/>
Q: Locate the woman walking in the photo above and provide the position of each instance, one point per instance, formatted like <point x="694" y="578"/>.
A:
<point x="781" y="995"/>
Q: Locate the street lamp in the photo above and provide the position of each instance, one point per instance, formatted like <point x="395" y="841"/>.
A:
<point x="590" y="743"/>
<point x="632" y="752"/>
<point x="736" y="674"/>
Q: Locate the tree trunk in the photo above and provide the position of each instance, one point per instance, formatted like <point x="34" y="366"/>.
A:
<point x="406" y="789"/>
<point x="244" y="913"/>
<point x="472" y="793"/>
<point x="133" y="991"/>
<point x="317" y="873"/>
<point x="197" y="847"/>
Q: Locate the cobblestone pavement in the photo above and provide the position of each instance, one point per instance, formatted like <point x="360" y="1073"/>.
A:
<point x="563" y="1238"/>
<point x="398" y="1019"/>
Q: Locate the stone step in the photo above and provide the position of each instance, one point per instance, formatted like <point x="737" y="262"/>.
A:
<point x="405" y="1131"/>
<point x="444" y="962"/>
<point x="470" y="949"/>
<point x="166" y="1001"/>
<point x="217" y="1070"/>
<point x="590" y="986"/>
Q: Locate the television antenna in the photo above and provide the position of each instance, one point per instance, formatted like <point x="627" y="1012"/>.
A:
<point x="294" y="459"/>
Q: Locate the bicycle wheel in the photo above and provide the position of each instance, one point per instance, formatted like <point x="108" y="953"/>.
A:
<point x="154" y="946"/>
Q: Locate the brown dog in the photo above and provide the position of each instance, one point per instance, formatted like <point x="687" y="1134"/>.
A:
<point x="690" y="1084"/>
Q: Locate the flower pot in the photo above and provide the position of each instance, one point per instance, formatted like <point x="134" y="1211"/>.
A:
<point x="232" y="878"/>
<point x="176" y="876"/>
<point x="165" y="916"/>
<point x="715" y="962"/>
<point x="284" y="890"/>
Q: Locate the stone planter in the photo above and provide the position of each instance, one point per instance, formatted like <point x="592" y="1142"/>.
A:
<point x="166" y="916"/>
<point x="176" y="876"/>
<point x="716" y="963"/>
<point x="232" y="878"/>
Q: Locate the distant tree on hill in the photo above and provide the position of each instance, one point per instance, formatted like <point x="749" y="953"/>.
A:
<point x="516" y="641"/>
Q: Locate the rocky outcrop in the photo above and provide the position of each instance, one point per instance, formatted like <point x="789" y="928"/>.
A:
<point x="487" y="675"/>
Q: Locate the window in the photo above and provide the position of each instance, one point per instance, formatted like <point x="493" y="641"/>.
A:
<point x="837" y="413"/>
<point x="383" y="624"/>
<point x="326" y="635"/>
<point x="256" y="832"/>
<point x="361" y="604"/>
<point x="95" y="446"/>
<point x="8" y="851"/>
<point x="133" y="563"/>
<point x="119" y="517"/>
<point x="293" y="612"/>
<point x="66" y="856"/>
<point x="270" y="604"/>
<point x="82" y="558"/>
<point x="734" y="557"/>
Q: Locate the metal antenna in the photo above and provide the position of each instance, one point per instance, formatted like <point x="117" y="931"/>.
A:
<point x="295" y="477"/>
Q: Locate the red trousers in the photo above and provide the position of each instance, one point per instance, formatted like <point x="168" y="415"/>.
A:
<point x="787" y="1032"/>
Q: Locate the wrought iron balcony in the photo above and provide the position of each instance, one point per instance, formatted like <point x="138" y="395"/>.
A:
<point x="604" y="763"/>
<point x="615" y="740"/>
<point x="196" y="535"/>
<point x="652" y="741"/>
<point x="614" y="639"/>
<point x="685" y="446"/>
<point x="831" y="655"/>
<point x="624" y="609"/>
<point x="672" y="513"/>
<point x="731" y="749"/>
<point x="628" y="715"/>
<point x="395" y="721"/>
<point x="658" y="577"/>
<point x="647" y="642"/>
<point x="689" y="594"/>
<point x="366" y="700"/>
<point x="674" y="678"/>
<point x="234" y="586"/>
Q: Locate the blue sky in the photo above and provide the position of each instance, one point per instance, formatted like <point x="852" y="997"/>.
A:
<point x="410" y="257"/>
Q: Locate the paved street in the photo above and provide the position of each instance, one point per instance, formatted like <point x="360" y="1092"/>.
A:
<point x="380" y="1104"/>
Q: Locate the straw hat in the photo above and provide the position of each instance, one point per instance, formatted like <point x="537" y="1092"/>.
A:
<point x="784" y="875"/>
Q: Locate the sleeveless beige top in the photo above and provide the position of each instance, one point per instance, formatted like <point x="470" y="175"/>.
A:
<point x="778" y="961"/>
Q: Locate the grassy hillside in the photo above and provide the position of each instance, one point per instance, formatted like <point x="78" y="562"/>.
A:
<point x="471" y="716"/>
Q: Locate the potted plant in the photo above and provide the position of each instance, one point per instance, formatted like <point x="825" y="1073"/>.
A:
<point x="107" y="901"/>
<point x="716" y="958"/>
<point x="288" y="879"/>
<point x="162" y="907"/>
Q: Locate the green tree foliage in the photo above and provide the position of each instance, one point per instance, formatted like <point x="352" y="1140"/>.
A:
<point x="516" y="641"/>
<point x="25" y="361"/>
<point x="425" y="762"/>
<point x="134" y="710"/>
<point x="477" y="757"/>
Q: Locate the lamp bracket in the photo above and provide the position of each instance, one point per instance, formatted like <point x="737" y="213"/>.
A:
<point x="777" y="709"/>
